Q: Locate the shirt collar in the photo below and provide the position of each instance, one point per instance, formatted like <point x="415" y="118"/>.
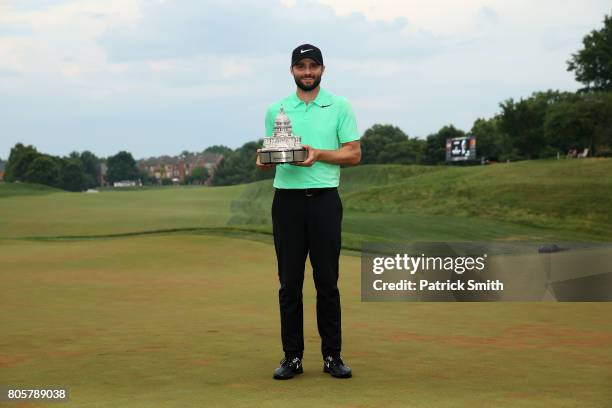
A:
<point x="321" y="99"/>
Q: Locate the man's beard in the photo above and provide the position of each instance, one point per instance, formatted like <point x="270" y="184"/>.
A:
<point x="308" y="88"/>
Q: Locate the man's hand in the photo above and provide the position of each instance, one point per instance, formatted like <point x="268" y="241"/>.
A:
<point x="263" y="166"/>
<point x="312" y="158"/>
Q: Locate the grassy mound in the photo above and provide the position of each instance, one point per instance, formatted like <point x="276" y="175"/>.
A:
<point x="20" y="189"/>
<point x="543" y="199"/>
<point x="573" y="195"/>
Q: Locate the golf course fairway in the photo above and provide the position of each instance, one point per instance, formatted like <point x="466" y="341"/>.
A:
<point x="168" y="297"/>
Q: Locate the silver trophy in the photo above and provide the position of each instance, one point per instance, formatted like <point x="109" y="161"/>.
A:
<point x="283" y="146"/>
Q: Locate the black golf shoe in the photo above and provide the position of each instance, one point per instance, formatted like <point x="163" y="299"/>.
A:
<point x="335" y="366"/>
<point x="288" y="368"/>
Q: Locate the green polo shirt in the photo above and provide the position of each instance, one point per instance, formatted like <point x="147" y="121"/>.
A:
<point x="324" y="123"/>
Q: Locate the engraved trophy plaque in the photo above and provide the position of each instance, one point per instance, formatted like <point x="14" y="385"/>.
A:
<point x="283" y="146"/>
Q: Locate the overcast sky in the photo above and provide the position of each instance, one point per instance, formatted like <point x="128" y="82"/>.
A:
<point x="162" y="76"/>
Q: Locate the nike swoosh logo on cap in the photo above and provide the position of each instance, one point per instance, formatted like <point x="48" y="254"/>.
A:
<point x="303" y="51"/>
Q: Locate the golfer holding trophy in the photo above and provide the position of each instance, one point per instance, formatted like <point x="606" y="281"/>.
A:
<point x="309" y="135"/>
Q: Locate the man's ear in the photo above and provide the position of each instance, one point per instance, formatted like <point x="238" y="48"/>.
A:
<point x="291" y="69"/>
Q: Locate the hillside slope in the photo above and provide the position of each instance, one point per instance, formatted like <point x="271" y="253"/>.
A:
<point x="542" y="199"/>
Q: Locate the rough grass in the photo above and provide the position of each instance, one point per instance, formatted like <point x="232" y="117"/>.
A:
<point x="531" y="200"/>
<point x="570" y="195"/>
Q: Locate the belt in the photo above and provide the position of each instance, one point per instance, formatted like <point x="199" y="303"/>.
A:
<point x="308" y="192"/>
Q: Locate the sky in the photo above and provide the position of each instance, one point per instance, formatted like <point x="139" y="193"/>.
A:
<point x="158" y="77"/>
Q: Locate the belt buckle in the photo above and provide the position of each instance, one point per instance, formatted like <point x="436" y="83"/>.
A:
<point x="309" y="192"/>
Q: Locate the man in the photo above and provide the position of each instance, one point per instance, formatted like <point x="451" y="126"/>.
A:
<point x="307" y="211"/>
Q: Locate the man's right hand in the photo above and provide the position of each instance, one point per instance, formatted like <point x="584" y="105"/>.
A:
<point x="261" y="165"/>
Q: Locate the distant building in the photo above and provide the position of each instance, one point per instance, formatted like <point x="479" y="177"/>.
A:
<point x="101" y="175"/>
<point x="2" y="169"/>
<point x="179" y="168"/>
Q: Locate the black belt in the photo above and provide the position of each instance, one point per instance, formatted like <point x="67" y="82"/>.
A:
<point x="308" y="192"/>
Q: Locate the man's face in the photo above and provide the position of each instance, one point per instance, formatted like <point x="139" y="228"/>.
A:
<point x="307" y="74"/>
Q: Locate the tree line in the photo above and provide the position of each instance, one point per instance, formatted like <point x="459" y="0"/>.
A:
<point x="75" y="172"/>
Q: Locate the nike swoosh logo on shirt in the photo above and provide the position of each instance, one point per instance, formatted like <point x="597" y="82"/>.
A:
<point x="303" y="51"/>
<point x="325" y="106"/>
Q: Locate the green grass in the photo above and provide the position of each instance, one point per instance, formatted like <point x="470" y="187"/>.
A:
<point x="191" y="321"/>
<point x="565" y="195"/>
<point x="115" y="212"/>
<point x="163" y="305"/>
<point x="532" y="200"/>
<point x="24" y="189"/>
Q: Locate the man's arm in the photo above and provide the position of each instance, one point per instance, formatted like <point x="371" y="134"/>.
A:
<point x="349" y="153"/>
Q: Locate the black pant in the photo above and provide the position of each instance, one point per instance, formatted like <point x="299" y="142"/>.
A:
<point x="308" y="222"/>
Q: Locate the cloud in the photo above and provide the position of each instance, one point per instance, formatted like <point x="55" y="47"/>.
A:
<point x="5" y="72"/>
<point x="189" y="28"/>
<point x="488" y="14"/>
<point x="13" y="30"/>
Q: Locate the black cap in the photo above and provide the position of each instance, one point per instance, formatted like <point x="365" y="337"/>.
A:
<point x="306" y="51"/>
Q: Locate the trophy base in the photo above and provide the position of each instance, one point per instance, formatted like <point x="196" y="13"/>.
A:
<point x="283" y="156"/>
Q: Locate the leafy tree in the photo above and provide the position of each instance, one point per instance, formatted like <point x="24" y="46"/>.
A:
<point x="73" y="177"/>
<point x="145" y="178"/>
<point x="44" y="170"/>
<point x="582" y="123"/>
<point x="19" y="160"/>
<point x="90" y="163"/>
<point x="491" y="142"/>
<point x="219" y="149"/>
<point x="375" y="139"/>
<point x="199" y="175"/>
<point x="239" y="167"/>
<point x="435" y="144"/>
<point x="409" y="151"/>
<point x="523" y="121"/>
<point x="592" y="65"/>
<point x="121" y="166"/>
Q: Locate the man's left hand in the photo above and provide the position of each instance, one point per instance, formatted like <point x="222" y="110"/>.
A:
<point x="312" y="158"/>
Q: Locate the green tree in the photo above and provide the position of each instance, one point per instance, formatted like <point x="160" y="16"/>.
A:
<point x="585" y="122"/>
<point x="199" y="175"/>
<point x="375" y="139"/>
<point x="592" y="65"/>
<point x="491" y="142"/>
<point x="91" y="164"/>
<point x="409" y="151"/>
<point x="146" y="178"/>
<point x="523" y="121"/>
<point x="19" y="160"/>
<point x="435" y="144"/>
<point x="44" y="170"/>
<point x="121" y="166"/>
<point x="239" y="167"/>
<point x="73" y="177"/>
<point x="219" y="149"/>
